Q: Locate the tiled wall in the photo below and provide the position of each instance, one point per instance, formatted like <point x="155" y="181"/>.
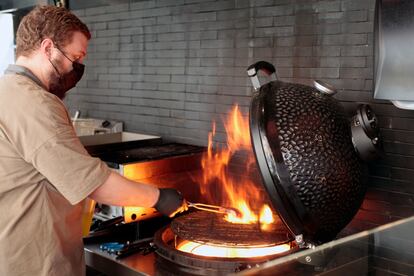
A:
<point x="171" y="67"/>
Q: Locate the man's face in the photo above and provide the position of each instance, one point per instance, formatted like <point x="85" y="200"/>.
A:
<point x="75" y="51"/>
<point x="61" y="59"/>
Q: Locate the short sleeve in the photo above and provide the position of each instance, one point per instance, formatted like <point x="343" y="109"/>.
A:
<point x="68" y="167"/>
<point x="37" y="125"/>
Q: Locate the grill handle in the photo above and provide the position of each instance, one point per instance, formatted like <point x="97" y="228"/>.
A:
<point x="264" y="66"/>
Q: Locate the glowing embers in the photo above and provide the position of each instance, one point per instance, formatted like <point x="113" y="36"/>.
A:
<point x="203" y="243"/>
<point x="210" y="235"/>
<point x="209" y="250"/>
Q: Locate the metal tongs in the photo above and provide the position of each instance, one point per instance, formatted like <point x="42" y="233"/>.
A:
<point x="214" y="209"/>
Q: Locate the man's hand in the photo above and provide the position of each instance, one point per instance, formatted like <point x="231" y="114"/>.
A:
<point x="170" y="202"/>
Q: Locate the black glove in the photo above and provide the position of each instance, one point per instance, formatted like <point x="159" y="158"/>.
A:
<point x="170" y="202"/>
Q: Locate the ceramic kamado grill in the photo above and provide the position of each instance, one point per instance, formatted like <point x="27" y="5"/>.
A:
<point x="310" y="157"/>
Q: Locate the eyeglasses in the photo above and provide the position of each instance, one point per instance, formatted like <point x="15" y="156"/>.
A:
<point x="63" y="53"/>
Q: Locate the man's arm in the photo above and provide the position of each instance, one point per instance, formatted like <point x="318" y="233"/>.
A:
<point x="120" y="191"/>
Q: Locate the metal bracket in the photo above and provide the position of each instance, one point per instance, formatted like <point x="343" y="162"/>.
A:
<point x="254" y="79"/>
<point x="301" y="242"/>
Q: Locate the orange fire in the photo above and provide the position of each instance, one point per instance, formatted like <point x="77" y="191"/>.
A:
<point x="227" y="190"/>
<point x="224" y="189"/>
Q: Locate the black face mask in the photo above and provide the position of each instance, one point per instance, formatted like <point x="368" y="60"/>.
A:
<point x="60" y="85"/>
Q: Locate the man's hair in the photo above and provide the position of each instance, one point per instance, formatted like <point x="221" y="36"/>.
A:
<point x="56" y="23"/>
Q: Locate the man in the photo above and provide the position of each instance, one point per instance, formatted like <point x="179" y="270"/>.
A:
<point x="45" y="172"/>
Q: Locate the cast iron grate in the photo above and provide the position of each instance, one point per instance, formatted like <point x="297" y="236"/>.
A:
<point x="211" y="228"/>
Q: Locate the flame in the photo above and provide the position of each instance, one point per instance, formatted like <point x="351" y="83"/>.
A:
<point x="266" y="215"/>
<point x="231" y="252"/>
<point x="227" y="190"/>
<point x="219" y="186"/>
<point x="266" y="218"/>
<point x="247" y="216"/>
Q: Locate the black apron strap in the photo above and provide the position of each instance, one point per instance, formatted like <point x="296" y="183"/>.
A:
<point x="20" y="70"/>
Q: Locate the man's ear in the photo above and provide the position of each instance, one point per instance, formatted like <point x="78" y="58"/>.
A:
<point x="46" y="47"/>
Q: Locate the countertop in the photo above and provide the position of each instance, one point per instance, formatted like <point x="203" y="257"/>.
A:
<point x="133" y="265"/>
<point x="387" y="248"/>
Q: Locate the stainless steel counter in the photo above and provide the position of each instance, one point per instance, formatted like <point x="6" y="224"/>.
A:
<point x="390" y="246"/>
<point x="133" y="265"/>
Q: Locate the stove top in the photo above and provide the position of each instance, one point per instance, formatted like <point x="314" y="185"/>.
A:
<point x="147" y="151"/>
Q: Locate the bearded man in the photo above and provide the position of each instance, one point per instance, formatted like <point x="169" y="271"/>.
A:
<point x="45" y="171"/>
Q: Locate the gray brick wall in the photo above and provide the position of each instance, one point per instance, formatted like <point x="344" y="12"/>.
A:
<point x="171" y="67"/>
<point x="188" y="58"/>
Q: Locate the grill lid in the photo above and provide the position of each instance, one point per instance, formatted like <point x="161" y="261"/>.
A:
<point x="303" y="146"/>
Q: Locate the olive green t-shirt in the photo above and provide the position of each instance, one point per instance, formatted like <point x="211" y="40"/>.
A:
<point x="45" y="174"/>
